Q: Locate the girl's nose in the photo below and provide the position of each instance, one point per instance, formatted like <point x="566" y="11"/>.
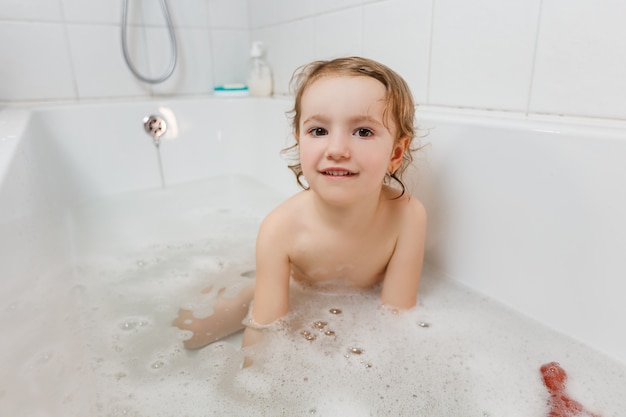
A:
<point x="338" y="147"/>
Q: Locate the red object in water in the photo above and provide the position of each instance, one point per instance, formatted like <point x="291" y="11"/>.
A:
<point x="561" y="405"/>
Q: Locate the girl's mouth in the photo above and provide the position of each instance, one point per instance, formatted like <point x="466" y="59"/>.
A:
<point x="337" y="173"/>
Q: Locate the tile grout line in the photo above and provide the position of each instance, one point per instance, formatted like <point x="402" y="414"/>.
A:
<point x="534" y="59"/>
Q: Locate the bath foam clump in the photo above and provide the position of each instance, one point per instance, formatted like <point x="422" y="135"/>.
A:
<point x="336" y="353"/>
<point x="342" y="354"/>
<point x="128" y="307"/>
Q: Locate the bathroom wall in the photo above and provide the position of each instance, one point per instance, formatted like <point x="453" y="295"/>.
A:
<point x="531" y="56"/>
<point x="71" y="49"/>
<point x="562" y="57"/>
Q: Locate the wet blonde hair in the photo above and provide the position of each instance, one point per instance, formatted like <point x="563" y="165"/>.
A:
<point x="400" y="105"/>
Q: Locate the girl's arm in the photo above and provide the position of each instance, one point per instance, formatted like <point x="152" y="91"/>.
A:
<point x="225" y="319"/>
<point x="271" y="294"/>
<point x="405" y="266"/>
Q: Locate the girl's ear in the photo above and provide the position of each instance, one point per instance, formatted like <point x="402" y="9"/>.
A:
<point x="397" y="154"/>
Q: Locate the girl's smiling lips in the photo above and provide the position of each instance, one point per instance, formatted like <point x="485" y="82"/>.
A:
<point x="336" y="172"/>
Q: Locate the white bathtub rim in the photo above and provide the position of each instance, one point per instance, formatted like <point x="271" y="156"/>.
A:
<point x="539" y="121"/>
<point x="427" y="116"/>
<point x="105" y="102"/>
<point x="13" y="123"/>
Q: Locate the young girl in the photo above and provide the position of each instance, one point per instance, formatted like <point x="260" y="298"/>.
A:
<point x="353" y="121"/>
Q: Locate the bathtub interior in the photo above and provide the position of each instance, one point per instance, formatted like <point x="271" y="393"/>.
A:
<point x="530" y="212"/>
<point x="59" y="162"/>
<point x="526" y="212"/>
<point x="65" y="155"/>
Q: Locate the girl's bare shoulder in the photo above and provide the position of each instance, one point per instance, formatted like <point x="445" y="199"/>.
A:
<point x="405" y="205"/>
<point x="286" y="213"/>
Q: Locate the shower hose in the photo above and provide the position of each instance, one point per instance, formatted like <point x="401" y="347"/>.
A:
<point x="170" y="69"/>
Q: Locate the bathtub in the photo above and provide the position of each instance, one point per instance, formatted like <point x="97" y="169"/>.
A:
<point x="524" y="213"/>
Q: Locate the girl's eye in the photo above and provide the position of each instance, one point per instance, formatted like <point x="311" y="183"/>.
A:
<point x="318" y="131"/>
<point x="363" y="132"/>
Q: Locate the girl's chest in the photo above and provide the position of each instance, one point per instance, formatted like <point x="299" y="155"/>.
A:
<point x="361" y="260"/>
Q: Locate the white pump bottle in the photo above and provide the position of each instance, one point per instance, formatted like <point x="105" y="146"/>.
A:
<point x="260" y="83"/>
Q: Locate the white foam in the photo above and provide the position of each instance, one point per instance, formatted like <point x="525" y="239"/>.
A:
<point x="455" y="354"/>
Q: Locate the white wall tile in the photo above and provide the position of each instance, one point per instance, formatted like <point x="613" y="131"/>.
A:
<point x="581" y="66"/>
<point x="230" y="57"/>
<point x="288" y="46"/>
<point x="187" y="13"/>
<point x="482" y="53"/>
<point x="110" y="12"/>
<point x="32" y="10"/>
<point x="397" y="33"/>
<point x="287" y="10"/>
<point x="97" y="11"/>
<point x="38" y="66"/>
<point x="193" y="73"/>
<point x="261" y="13"/>
<point x="99" y="64"/>
<point x="323" y="6"/>
<point x="339" y="33"/>
<point x="228" y="14"/>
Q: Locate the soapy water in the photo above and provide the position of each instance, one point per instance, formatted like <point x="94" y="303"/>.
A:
<point x="336" y="353"/>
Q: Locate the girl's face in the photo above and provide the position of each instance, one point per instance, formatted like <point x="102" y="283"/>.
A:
<point x="346" y="144"/>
